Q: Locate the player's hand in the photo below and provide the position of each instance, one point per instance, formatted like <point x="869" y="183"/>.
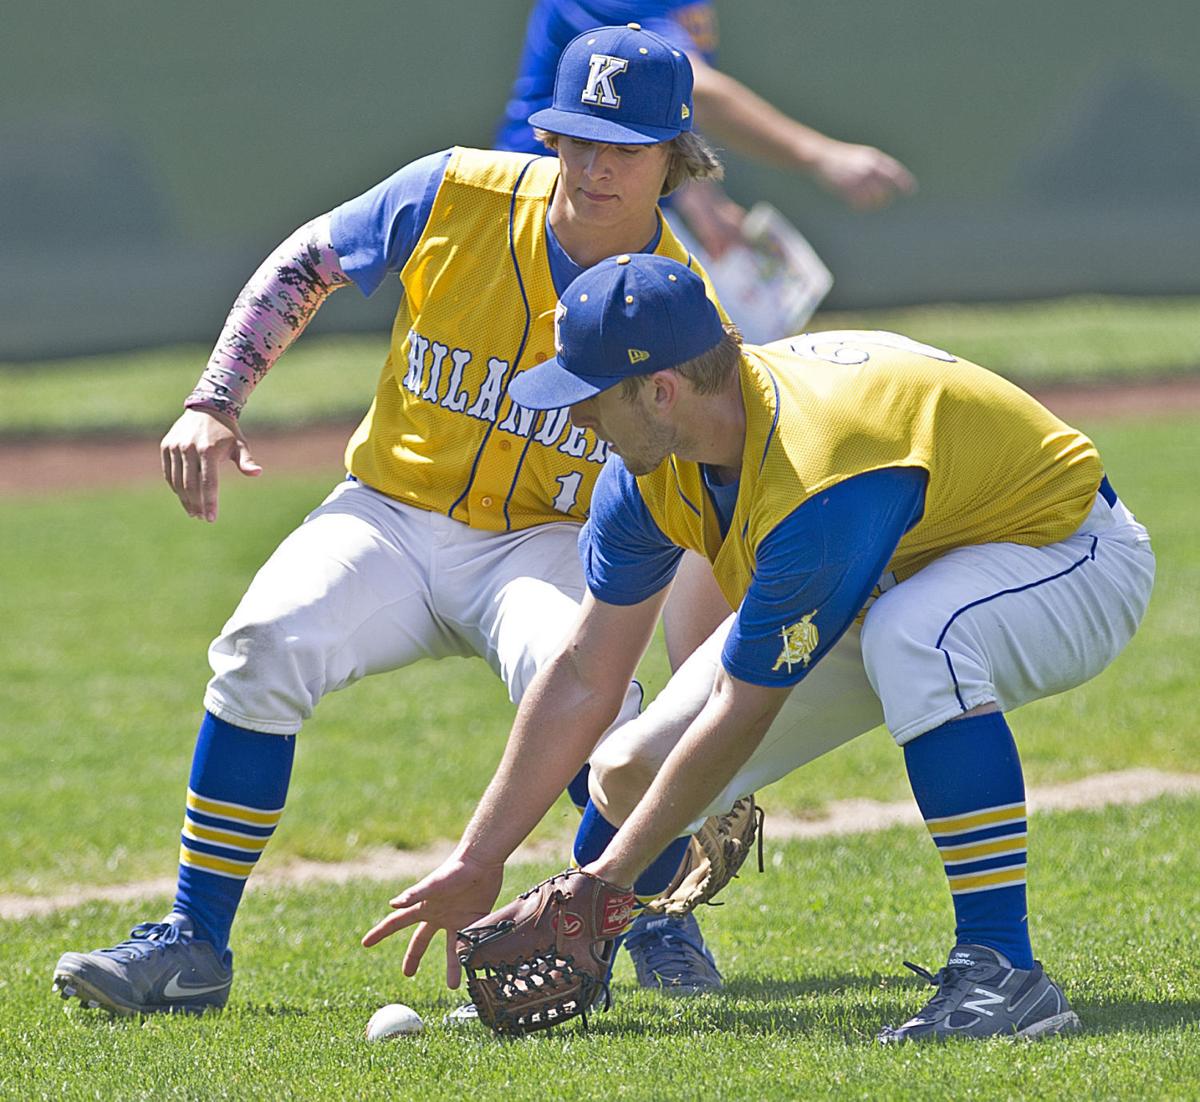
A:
<point x="192" y="452"/>
<point x="862" y="176"/>
<point x="457" y="893"/>
<point x="711" y="215"/>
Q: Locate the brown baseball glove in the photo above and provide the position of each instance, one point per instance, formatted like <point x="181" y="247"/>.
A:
<point x="717" y="851"/>
<point x="545" y="957"/>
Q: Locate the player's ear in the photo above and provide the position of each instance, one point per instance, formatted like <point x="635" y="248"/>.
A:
<point x="664" y="390"/>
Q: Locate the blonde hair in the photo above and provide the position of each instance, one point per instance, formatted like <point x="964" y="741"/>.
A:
<point x="692" y="158"/>
<point x="709" y="373"/>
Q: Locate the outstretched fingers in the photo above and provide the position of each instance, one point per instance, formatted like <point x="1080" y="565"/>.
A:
<point x="396" y="921"/>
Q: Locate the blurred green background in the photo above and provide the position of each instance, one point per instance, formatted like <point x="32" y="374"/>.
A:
<point x="152" y="153"/>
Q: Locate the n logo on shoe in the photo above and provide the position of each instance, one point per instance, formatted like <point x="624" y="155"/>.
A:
<point x="989" y="998"/>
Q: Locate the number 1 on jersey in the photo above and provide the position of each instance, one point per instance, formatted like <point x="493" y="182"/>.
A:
<point x="568" y="491"/>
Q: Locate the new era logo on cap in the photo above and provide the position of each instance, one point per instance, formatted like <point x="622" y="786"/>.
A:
<point x="628" y="315"/>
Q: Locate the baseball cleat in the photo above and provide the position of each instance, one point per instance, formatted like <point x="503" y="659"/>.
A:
<point x="980" y="994"/>
<point x="467" y="1014"/>
<point x="162" y="968"/>
<point x="669" y="954"/>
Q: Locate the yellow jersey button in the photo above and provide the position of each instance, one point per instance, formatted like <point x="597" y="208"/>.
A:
<point x="486" y="502"/>
<point x="540" y="358"/>
<point x="506" y="445"/>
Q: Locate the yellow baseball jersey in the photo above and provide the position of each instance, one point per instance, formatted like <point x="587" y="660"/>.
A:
<point x="825" y="407"/>
<point x="478" y="307"/>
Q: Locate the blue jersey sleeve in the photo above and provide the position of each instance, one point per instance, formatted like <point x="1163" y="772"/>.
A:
<point x="376" y="232"/>
<point x="626" y="558"/>
<point x="815" y="571"/>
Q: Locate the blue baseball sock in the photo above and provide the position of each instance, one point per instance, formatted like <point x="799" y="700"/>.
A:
<point x="966" y="776"/>
<point x="593" y="836"/>
<point x="236" y="792"/>
<point x="577" y="790"/>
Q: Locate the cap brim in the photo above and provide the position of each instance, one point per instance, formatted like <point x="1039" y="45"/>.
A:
<point x="549" y="385"/>
<point x="589" y="128"/>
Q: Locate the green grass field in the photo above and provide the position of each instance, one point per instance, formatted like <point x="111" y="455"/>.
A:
<point x="105" y="663"/>
<point x="812" y="953"/>
<point x="1086" y="339"/>
<point x="109" y="601"/>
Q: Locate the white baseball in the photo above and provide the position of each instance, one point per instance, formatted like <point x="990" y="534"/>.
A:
<point x="394" y="1020"/>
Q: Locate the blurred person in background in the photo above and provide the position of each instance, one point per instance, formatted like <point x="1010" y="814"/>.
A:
<point x="863" y="177"/>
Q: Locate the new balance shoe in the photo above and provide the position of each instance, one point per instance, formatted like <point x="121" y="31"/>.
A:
<point x="162" y="968"/>
<point x="980" y="994"/>
<point x="670" y="954"/>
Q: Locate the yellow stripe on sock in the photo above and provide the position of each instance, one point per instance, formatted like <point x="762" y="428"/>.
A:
<point x="233" y="811"/>
<point x="980" y="881"/>
<point x="992" y="816"/>
<point x="247" y="843"/>
<point x="236" y="870"/>
<point x="991" y="848"/>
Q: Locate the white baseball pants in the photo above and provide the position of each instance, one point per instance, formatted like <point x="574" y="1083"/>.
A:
<point x="368" y="584"/>
<point x="995" y="622"/>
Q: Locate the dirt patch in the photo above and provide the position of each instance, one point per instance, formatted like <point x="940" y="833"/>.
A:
<point x="37" y="465"/>
<point x="1120" y="399"/>
<point x="840" y="817"/>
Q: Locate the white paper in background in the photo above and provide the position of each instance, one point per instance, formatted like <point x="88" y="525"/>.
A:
<point x="771" y="285"/>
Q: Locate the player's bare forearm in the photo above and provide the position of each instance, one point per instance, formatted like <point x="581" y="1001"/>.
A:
<point x="562" y="716"/>
<point x="558" y="725"/>
<point x="861" y="175"/>
<point x="742" y="119"/>
<point x="712" y="750"/>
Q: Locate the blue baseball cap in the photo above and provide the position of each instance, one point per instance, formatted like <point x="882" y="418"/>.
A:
<point x="628" y="315"/>
<point x="622" y="86"/>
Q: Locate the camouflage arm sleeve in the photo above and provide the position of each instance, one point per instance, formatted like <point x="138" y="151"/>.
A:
<point x="270" y="313"/>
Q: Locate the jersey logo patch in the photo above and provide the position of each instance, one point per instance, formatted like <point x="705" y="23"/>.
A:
<point x="637" y="356"/>
<point x="799" y="642"/>
<point x="599" y="90"/>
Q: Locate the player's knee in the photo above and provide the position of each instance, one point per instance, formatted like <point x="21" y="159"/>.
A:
<point x="924" y="667"/>
<point x="267" y="673"/>
<point x="898" y="648"/>
<point x="620" y="774"/>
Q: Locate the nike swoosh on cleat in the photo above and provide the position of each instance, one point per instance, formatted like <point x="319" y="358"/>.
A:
<point x="175" y="990"/>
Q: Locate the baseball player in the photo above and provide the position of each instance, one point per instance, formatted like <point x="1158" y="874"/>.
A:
<point x="455" y="532"/>
<point x="885" y="566"/>
<point x="863" y="177"/>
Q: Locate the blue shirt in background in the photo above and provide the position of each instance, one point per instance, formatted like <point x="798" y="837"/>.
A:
<point x="688" y="24"/>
